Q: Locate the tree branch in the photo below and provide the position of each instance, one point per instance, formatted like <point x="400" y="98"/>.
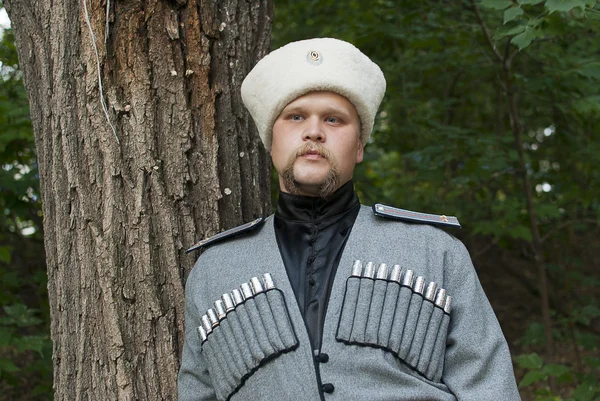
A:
<point x="566" y="224"/>
<point x="485" y="249"/>
<point x="486" y="32"/>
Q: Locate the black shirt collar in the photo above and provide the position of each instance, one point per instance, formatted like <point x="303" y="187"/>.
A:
<point x="308" y="208"/>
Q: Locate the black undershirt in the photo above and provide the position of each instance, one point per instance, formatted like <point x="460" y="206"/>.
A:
<point x="311" y="234"/>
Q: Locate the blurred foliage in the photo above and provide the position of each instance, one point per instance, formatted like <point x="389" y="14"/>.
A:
<point x="25" y="346"/>
<point x="585" y="385"/>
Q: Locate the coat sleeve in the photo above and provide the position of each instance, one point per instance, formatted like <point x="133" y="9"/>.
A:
<point x="193" y="381"/>
<point x="477" y="364"/>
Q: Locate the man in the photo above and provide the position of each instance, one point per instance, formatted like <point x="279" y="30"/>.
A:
<point x="328" y="299"/>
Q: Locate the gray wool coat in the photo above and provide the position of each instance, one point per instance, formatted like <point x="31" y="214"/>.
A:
<point x="382" y="341"/>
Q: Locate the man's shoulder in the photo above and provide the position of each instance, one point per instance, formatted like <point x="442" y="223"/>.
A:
<point x="408" y="229"/>
<point x="412" y="217"/>
<point x="238" y="231"/>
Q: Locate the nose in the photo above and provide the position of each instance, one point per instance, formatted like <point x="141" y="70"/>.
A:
<point x="314" y="131"/>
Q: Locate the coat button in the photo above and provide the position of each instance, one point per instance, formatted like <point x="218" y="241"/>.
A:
<point x="322" y="358"/>
<point x="327" y="388"/>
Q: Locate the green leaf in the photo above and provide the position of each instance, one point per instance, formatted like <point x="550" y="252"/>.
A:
<point x="510" y="29"/>
<point x="5" y="253"/>
<point x="534" y="335"/>
<point x="20" y="315"/>
<point x="511" y="13"/>
<point x="586" y="314"/>
<point x="564" y="5"/>
<point x="496" y="4"/>
<point x="6" y="365"/>
<point x="529" y="361"/>
<point x="536" y="22"/>
<point x="585" y="391"/>
<point x="530" y="2"/>
<point x="5" y="336"/>
<point x="31" y="343"/>
<point x="524" y="39"/>
<point x="556" y="370"/>
<point x="591" y="105"/>
<point x="592" y="361"/>
<point x="531" y="377"/>
<point x="547" y="210"/>
<point x="591" y="70"/>
<point x="587" y="340"/>
<point x="521" y="231"/>
<point x="590" y="311"/>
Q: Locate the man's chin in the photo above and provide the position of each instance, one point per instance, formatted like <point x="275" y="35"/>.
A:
<point x="310" y="179"/>
<point x="311" y="173"/>
<point x="308" y="187"/>
<point x="322" y="186"/>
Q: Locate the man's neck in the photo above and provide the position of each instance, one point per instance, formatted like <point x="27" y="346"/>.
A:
<point x="310" y="208"/>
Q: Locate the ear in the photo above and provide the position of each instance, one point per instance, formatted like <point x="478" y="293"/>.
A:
<point x="360" y="152"/>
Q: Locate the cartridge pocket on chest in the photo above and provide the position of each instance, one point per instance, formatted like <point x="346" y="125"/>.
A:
<point x="245" y="329"/>
<point x="396" y="311"/>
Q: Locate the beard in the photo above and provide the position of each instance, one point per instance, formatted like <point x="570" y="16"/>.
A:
<point x="330" y="183"/>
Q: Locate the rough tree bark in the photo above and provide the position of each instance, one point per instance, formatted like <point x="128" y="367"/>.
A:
<point x="175" y="159"/>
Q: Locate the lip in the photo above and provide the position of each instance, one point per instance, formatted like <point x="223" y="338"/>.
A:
<point x="312" y="155"/>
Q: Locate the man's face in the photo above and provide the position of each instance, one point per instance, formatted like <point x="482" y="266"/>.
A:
<point x="316" y="144"/>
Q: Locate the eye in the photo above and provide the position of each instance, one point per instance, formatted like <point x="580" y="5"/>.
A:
<point x="296" y="117"/>
<point x="331" y="120"/>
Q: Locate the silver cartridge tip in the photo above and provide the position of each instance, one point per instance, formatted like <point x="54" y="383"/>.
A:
<point x="269" y="284"/>
<point x="430" y="291"/>
<point x="202" y="334"/>
<point x="440" y="298"/>
<point x="369" y="270"/>
<point x="396" y="273"/>
<point x="212" y="316"/>
<point x="246" y="290"/>
<point x="448" y="305"/>
<point x="408" y="278"/>
<point x="382" y="272"/>
<point x="220" y="308"/>
<point x="419" y="285"/>
<point x="206" y="324"/>
<point x="238" y="298"/>
<point x="357" y="268"/>
<point x="256" y="285"/>
<point x="228" y="302"/>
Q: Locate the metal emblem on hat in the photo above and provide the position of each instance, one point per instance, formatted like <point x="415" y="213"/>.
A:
<point x="314" y="57"/>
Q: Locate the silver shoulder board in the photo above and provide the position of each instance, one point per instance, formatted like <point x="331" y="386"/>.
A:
<point x="228" y="234"/>
<point x="415" y="217"/>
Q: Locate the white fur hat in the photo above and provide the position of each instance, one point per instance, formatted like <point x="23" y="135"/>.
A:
<point x="312" y="65"/>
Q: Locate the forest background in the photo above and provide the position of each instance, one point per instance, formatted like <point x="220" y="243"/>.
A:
<point x="492" y="114"/>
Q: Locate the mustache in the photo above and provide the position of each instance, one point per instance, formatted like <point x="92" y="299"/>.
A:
<point x="312" y="148"/>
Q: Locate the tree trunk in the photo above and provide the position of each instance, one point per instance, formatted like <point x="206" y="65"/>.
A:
<point x="173" y="159"/>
